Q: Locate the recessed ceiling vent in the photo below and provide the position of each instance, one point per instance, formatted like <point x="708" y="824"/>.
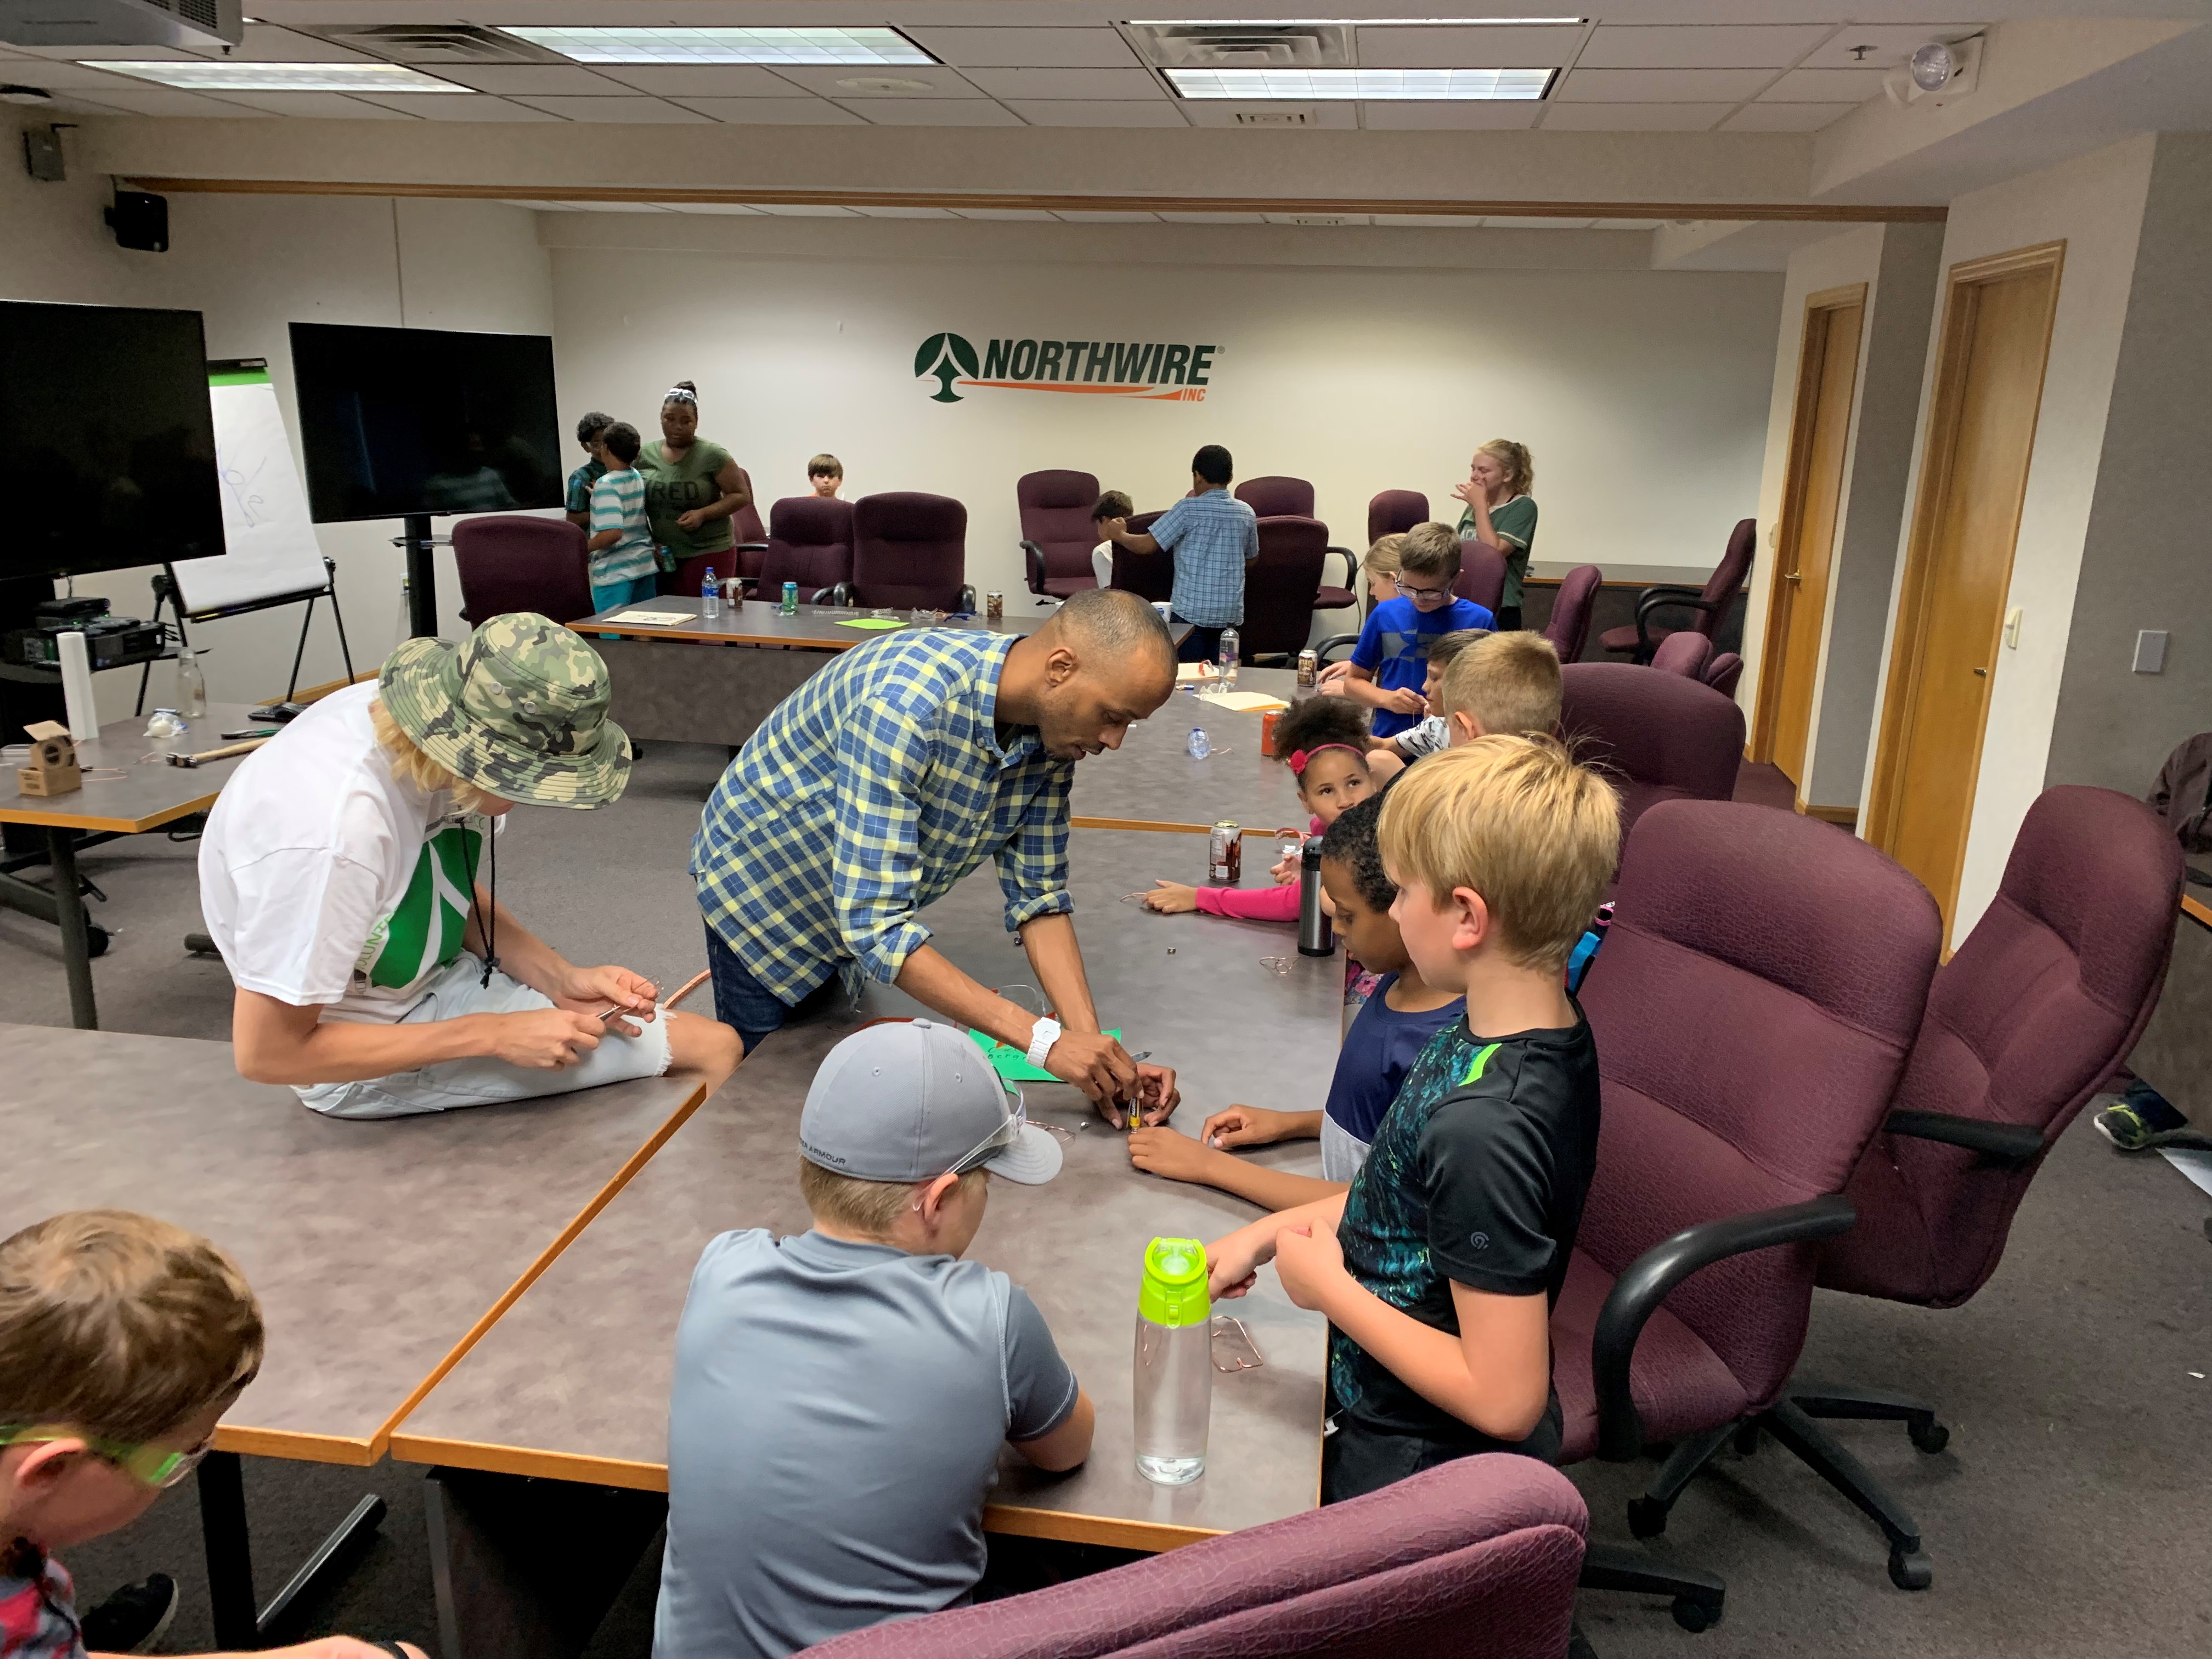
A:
<point x="1274" y="117"/>
<point x="433" y="43"/>
<point x="1243" y="45"/>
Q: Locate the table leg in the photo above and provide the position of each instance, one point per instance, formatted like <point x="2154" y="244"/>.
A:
<point x="240" y="1623"/>
<point x="77" y="930"/>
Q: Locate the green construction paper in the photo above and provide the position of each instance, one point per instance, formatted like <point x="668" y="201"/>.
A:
<point x="872" y="623"/>
<point x="239" y="377"/>
<point x="1013" y="1064"/>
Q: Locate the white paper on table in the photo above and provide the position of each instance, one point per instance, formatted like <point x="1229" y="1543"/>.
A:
<point x="655" y="618"/>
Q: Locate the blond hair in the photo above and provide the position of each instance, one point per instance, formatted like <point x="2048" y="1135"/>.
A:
<point x="1432" y="549"/>
<point x="1517" y="820"/>
<point x="1386" y="557"/>
<point x="411" y="765"/>
<point x="121" y="1325"/>
<point x="870" y="1209"/>
<point x="1520" y="466"/>
<point x="1505" y="683"/>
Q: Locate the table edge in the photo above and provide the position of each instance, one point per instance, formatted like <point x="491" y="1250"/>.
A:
<point x="48" y="820"/>
<point x="678" y="631"/>
<point x="2196" y="909"/>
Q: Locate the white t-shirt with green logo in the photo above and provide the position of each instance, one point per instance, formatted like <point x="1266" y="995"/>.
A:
<point x="327" y="881"/>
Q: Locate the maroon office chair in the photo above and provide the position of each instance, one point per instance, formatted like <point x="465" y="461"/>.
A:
<point x="1474" y="1559"/>
<point x="1481" y="575"/>
<point x="810" y="542"/>
<point x="1706" y="606"/>
<point x="1569" y="624"/>
<point x="1280" y="587"/>
<point x="1057" y="531"/>
<point x="1276" y="497"/>
<point x="1722" y="672"/>
<point x="1394" y="512"/>
<point x="1753" y="1008"/>
<point x="1659" y="737"/>
<point x="909" y="549"/>
<point x="2024" y="1025"/>
<point x="508" y="562"/>
<point x="742" y="559"/>
<point x="1685" y="654"/>
<point x="1148" y="575"/>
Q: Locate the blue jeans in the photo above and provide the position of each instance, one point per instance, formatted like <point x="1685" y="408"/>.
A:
<point x="1200" y="644"/>
<point x="748" y="1007"/>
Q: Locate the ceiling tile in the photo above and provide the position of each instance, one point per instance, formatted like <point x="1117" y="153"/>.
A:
<point x="804" y="211"/>
<point x="1495" y="47"/>
<point x="1785" y="118"/>
<point x="726" y="209"/>
<point x="1624" y="224"/>
<point x="170" y="101"/>
<point x="702" y="80"/>
<point x="56" y="77"/>
<point x="266" y="44"/>
<point x="1076" y="112"/>
<point x="623" y="111"/>
<point x="536" y="80"/>
<point x="1825" y="86"/>
<point x="1102" y="217"/>
<point x="1462" y="116"/>
<point x="924" y="80"/>
<point x="935" y="112"/>
<point x="614" y="207"/>
<point x="1888" y="44"/>
<point x="1731" y="46"/>
<point x="457" y="107"/>
<point x="128" y="54"/>
<point x="1726" y="86"/>
<point x="775" y="112"/>
<point x="1028" y="48"/>
<point x="1028" y="214"/>
<point x="1217" y="112"/>
<point x="1533" y="221"/>
<point x="1633" y="118"/>
<point x="1117" y="85"/>
<point x="324" y="105"/>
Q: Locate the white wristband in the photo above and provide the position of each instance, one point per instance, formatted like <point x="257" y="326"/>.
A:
<point x="1042" y="1035"/>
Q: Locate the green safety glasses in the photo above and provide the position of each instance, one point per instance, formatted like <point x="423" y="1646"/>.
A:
<point x="158" y="1466"/>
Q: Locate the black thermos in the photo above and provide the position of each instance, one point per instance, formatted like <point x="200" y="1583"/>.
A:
<point x="1317" y="937"/>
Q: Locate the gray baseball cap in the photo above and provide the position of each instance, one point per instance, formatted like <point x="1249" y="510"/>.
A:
<point x="911" y="1100"/>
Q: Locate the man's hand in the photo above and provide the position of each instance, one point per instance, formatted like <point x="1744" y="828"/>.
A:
<point x="1245" y="1125"/>
<point x="544" y="1040"/>
<point x="1309" y="1261"/>
<point x="1162" y="1152"/>
<point x="1170" y="898"/>
<point x="589" y="990"/>
<point x="1098" y="1065"/>
<point x="1157" y="1094"/>
<point x="1403" y="700"/>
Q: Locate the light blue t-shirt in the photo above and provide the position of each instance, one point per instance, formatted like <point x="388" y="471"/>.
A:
<point x="833" y="1430"/>
<point x="1211" y="536"/>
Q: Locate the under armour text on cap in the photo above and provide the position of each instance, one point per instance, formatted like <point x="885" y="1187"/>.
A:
<point x="911" y="1100"/>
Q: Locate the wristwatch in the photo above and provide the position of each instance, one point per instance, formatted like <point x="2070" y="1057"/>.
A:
<point x="1042" y="1035"/>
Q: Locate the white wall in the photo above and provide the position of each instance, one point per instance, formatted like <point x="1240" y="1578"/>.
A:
<point x="251" y="264"/>
<point x="1642" y="394"/>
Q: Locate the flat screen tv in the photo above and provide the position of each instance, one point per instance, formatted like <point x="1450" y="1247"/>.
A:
<point x="400" y="421"/>
<point x="109" y="437"/>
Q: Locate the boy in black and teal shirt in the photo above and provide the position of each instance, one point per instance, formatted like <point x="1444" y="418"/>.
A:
<point x="1438" y="1269"/>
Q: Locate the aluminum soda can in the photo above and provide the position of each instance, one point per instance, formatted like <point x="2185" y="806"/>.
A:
<point x="1309" y="669"/>
<point x="995" y="607"/>
<point x="790" y="606"/>
<point x="1225" y="854"/>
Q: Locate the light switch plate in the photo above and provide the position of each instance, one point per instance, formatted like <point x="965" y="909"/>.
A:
<point x="2012" y="627"/>
<point x="2150" y="651"/>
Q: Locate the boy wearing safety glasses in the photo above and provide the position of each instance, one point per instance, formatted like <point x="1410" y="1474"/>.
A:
<point x="123" y="1340"/>
<point x="1390" y="664"/>
<point x="841" y="1396"/>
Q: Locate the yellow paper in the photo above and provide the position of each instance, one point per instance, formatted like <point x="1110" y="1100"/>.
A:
<point x="1243" y="703"/>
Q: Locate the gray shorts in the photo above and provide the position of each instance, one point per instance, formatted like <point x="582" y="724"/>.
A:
<point x="481" y="1079"/>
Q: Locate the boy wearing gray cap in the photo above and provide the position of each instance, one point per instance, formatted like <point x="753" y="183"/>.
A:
<point x="841" y="1396"/>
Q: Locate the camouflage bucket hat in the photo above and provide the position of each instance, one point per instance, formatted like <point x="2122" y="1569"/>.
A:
<point x="518" y="709"/>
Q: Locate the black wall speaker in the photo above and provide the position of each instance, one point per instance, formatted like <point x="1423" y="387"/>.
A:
<point x="140" y="220"/>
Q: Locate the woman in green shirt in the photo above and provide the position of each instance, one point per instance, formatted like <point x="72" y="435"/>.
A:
<point x="692" y="486"/>
<point x="1501" y="511"/>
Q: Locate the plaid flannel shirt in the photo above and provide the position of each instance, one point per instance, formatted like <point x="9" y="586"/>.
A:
<point x="863" y="798"/>
<point x="1210" y="536"/>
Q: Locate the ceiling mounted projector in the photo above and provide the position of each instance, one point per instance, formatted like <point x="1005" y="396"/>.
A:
<point x="1943" y="70"/>
<point x="208" y="26"/>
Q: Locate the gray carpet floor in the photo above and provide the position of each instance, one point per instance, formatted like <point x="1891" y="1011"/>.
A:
<point x="2071" y="1514"/>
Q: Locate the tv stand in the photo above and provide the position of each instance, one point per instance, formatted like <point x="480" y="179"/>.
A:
<point x="421" y="576"/>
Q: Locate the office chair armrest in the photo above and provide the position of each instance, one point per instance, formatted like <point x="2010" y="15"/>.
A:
<point x="1667" y="598"/>
<point x="1652" y="1276"/>
<point x="1321" y="651"/>
<point x="837" y="593"/>
<point x="750" y="547"/>
<point x="1351" y="568"/>
<point x="2015" y="1143"/>
<point x="1033" y="560"/>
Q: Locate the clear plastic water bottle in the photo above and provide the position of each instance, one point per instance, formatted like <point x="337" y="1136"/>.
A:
<point x="1200" y="748"/>
<point x="710" y="592"/>
<point x="1230" y="644"/>
<point x="1174" y="1380"/>
<point x="191" y="689"/>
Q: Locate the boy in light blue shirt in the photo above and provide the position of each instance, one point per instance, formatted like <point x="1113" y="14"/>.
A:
<point x="1214" y="539"/>
<point x="620" y="548"/>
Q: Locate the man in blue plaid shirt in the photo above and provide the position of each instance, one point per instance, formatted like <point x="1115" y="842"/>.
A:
<point x="893" y="773"/>
<point x="1213" y="538"/>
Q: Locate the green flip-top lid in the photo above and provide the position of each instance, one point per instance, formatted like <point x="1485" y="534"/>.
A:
<point x="1174" y="1291"/>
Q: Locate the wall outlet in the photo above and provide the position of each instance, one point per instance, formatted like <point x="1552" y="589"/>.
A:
<point x="2150" y="651"/>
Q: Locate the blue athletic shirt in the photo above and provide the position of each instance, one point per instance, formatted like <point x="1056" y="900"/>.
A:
<point x="1393" y="646"/>
<point x="1378" y="1051"/>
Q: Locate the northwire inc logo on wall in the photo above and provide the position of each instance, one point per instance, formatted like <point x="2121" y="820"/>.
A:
<point x="1153" y="369"/>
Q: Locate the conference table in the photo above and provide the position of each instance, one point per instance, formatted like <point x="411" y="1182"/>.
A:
<point x="1152" y="782"/>
<point x="555" y="1419"/>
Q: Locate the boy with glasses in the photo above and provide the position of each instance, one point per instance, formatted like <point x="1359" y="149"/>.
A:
<point x="1390" y="665"/>
<point x="123" y="1340"/>
<point x="841" y="1396"/>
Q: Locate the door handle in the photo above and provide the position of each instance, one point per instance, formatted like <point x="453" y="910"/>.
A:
<point x="1792" y="576"/>
<point x="1982" y="672"/>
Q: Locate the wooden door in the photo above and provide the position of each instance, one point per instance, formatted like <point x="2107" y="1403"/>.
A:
<point x="1989" y="383"/>
<point x="1798" y="607"/>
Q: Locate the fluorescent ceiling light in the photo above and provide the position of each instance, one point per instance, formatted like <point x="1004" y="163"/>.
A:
<point x="1342" y="22"/>
<point x="283" y="77"/>
<point x="763" y="46"/>
<point x="1429" y="85"/>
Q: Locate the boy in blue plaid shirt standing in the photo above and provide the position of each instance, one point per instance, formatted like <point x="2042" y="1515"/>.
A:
<point x="1214" y="539"/>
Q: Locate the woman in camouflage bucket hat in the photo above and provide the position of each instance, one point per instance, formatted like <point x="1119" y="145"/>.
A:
<point x="339" y="878"/>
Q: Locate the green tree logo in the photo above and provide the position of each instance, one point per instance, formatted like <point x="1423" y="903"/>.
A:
<point x="948" y="357"/>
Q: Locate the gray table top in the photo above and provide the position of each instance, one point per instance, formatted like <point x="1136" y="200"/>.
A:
<point x="754" y="622"/>
<point x="537" y="1395"/>
<point x="371" y="1245"/>
<point x="149" y="794"/>
<point x="1152" y="781"/>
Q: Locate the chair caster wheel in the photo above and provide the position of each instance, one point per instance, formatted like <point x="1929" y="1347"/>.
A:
<point x="1694" y="1616"/>
<point x="96" y="941"/>
<point x="1909" y="1570"/>
<point x="1931" y="1437"/>
<point x="1647" y="1519"/>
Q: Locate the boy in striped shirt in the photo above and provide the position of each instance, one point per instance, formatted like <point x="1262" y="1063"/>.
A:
<point x="622" y="543"/>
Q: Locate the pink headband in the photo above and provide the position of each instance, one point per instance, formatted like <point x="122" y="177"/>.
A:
<point x="1301" y="758"/>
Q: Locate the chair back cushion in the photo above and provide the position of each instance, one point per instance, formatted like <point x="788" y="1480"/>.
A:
<point x="1570" y="626"/>
<point x="1728" y="576"/>
<point x="508" y="562"/>
<point x="1055" y="508"/>
<point x="1722" y="672"/>
<point x="746" y="526"/>
<point x="1752" y="1007"/>
<point x="1481" y="575"/>
<point x="1276" y="497"/>
<point x="1685" y="654"/>
<point x="1280" y="586"/>
<point x="908" y="550"/>
<point x="1474" y="1559"/>
<point x="810" y="542"/>
<point x="1148" y="575"/>
<point x="2025" y="1022"/>
<point x="1394" y="512"/>
<point x="1659" y="737"/>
